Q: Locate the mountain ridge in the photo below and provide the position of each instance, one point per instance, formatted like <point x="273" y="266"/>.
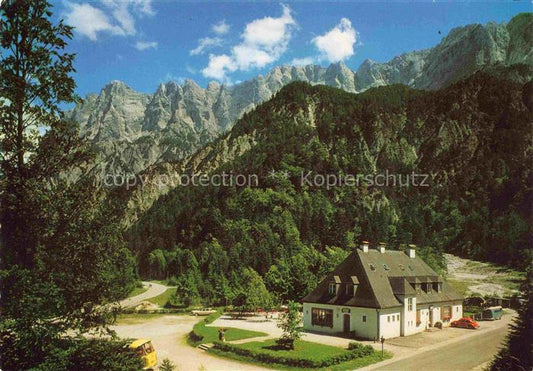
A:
<point x="172" y="123"/>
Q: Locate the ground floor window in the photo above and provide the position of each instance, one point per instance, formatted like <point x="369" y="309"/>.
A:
<point x="446" y="313"/>
<point x="364" y="317"/>
<point x="322" y="317"/>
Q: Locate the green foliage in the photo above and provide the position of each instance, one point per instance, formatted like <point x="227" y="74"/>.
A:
<point x="516" y="354"/>
<point x="167" y="365"/>
<point x="202" y="333"/>
<point x="472" y="139"/>
<point x="73" y="354"/>
<point x="63" y="251"/>
<point x="289" y="322"/>
<point x="305" y="355"/>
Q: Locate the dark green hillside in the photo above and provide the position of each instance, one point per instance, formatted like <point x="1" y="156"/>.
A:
<point x="473" y="139"/>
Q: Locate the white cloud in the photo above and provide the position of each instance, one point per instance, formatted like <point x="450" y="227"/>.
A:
<point x="299" y="62"/>
<point x="89" y="20"/>
<point x="204" y="44"/>
<point x="117" y="17"/>
<point x="143" y="45"/>
<point x="337" y="44"/>
<point x="221" y="28"/>
<point x="219" y="66"/>
<point x="248" y="56"/>
<point x="263" y="41"/>
<point x="269" y="32"/>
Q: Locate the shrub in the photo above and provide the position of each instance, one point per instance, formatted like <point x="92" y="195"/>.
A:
<point x="167" y="365"/>
<point x="285" y="342"/>
<point x="81" y="354"/>
<point x="359" y="351"/>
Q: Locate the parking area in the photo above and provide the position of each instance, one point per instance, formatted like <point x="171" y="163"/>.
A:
<point x="436" y="336"/>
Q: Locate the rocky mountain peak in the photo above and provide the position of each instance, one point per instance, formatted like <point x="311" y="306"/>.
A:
<point x="178" y="119"/>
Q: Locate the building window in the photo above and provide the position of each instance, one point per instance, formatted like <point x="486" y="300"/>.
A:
<point x="332" y="289"/>
<point x="322" y="317"/>
<point x="446" y="313"/>
<point x="364" y="317"/>
<point x="388" y="318"/>
<point x="350" y="290"/>
<point x="457" y="309"/>
<point x="410" y="304"/>
<point x="397" y="317"/>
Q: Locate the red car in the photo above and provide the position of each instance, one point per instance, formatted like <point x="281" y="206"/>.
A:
<point x="465" y="323"/>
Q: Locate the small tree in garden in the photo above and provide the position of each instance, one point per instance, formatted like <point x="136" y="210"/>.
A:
<point x="289" y="322"/>
<point x="167" y="365"/>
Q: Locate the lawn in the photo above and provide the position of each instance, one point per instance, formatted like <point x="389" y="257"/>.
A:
<point x="209" y="334"/>
<point x="136" y="318"/>
<point x="137" y="291"/>
<point x="304" y="350"/>
<point x="162" y="299"/>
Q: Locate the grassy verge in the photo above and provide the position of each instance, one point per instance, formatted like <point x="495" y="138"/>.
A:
<point x="201" y="333"/>
<point x="162" y="299"/>
<point x="307" y="355"/>
<point x="132" y="319"/>
<point x="137" y="291"/>
<point x="161" y="282"/>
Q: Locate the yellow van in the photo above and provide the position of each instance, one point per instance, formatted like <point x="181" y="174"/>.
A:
<point x="145" y="350"/>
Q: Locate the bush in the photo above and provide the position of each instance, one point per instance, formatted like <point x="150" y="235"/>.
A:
<point x="195" y="337"/>
<point x="78" y="354"/>
<point x="167" y="365"/>
<point x="285" y="343"/>
<point x="358" y="351"/>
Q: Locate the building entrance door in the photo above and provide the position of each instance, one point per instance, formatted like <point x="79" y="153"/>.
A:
<point x="346" y="323"/>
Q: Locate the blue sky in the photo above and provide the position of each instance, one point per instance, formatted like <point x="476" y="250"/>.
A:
<point x="147" y="42"/>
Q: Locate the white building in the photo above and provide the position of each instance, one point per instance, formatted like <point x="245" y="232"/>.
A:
<point x="379" y="292"/>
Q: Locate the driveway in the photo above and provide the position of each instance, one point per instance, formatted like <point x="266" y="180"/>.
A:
<point x="154" y="289"/>
<point x="450" y="349"/>
<point x="168" y="333"/>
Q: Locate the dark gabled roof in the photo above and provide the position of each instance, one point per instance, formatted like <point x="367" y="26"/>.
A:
<point x="348" y="269"/>
<point x="383" y="278"/>
<point x="400" y="286"/>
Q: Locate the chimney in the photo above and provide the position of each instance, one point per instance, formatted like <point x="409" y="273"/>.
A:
<point x="411" y="251"/>
<point x="364" y="246"/>
<point x="382" y="247"/>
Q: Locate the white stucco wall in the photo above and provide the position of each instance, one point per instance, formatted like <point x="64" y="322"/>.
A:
<point x="367" y="329"/>
<point x="457" y="311"/>
<point x="408" y="324"/>
<point x="390" y="323"/>
<point x="337" y="318"/>
<point x="404" y="326"/>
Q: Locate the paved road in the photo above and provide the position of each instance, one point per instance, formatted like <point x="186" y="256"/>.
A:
<point x="154" y="289"/>
<point x="461" y="354"/>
